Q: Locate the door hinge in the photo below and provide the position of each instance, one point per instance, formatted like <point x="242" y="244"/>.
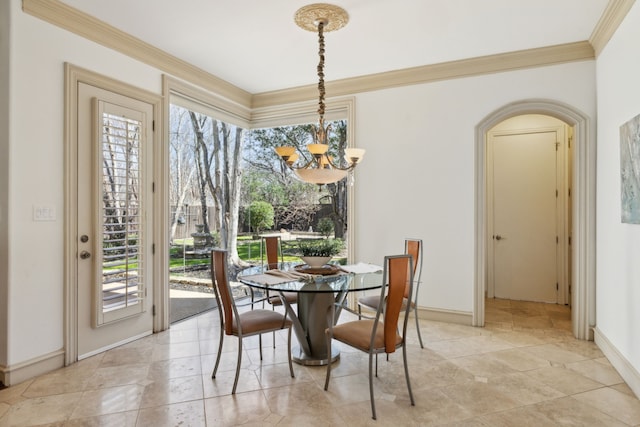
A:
<point x="557" y="240"/>
<point x="153" y="310"/>
<point x="556" y="194"/>
<point x="557" y="145"/>
<point x="569" y="239"/>
<point x="153" y="187"/>
<point x="557" y="287"/>
<point x="153" y="249"/>
<point x="153" y="125"/>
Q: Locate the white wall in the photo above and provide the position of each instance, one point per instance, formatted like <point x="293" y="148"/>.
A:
<point x="618" y="249"/>
<point x="417" y="178"/>
<point x="35" y="282"/>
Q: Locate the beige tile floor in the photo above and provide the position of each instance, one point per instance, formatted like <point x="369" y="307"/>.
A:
<point x="523" y="369"/>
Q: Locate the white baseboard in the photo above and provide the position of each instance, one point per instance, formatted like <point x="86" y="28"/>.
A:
<point x="114" y="345"/>
<point x="447" y="316"/>
<point x="15" y="374"/>
<point x="626" y="370"/>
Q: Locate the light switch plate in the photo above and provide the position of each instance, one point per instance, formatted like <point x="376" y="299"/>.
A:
<point x="44" y="213"/>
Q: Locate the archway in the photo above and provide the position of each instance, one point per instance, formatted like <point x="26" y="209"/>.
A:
<point x="583" y="287"/>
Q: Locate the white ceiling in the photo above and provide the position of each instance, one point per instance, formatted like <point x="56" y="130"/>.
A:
<point x="255" y="44"/>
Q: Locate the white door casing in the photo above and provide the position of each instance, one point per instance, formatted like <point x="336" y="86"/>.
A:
<point x="582" y="213"/>
<point x="106" y="307"/>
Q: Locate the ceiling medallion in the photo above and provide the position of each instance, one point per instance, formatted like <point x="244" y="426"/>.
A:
<point x="334" y="17"/>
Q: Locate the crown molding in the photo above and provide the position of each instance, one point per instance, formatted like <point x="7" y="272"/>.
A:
<point x="569" y="52"/>
<point x="90" y="28"/>
<point x="609" y="22"/>
<point x="303" y="112"/>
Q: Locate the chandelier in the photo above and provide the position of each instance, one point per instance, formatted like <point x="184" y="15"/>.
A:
<point x="322" y="168"/>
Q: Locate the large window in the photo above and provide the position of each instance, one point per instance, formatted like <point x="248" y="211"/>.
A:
<point x="227" y="186"/>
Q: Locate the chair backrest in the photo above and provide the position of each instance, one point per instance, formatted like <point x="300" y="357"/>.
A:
<point x="413" y="247"/>
<point x="273" y="251"/>
<point x="221" y="288"/>
<point x="398" y="274"/>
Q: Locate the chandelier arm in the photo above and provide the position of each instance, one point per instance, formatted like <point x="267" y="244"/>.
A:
<point x="305" y="166"/>
<point x="335" y="166"/>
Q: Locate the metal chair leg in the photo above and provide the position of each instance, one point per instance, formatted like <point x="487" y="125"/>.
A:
<point x="415" y="310"/>
<point x="326" y="381"/>
<point x="373" y="402"/>
<point x="215" y="368"/>
<point x="406" y="374"/>
<point x="289" y="353"/>
<point x="235" y="382"/>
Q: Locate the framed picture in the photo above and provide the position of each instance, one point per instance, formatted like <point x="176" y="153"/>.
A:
<point x="630" y="170"/>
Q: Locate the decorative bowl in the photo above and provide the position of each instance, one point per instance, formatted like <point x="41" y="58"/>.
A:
<point x="315" y="261"/>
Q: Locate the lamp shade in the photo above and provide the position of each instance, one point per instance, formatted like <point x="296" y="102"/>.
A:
<point x="320" y="176"/>
<point x="292" y="158"/>
<point x="317" y="148"/>
<point x="285" y="151"/>
<point x="354" y="155"/>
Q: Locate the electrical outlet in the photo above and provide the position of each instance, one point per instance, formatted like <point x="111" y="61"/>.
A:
<point x="44" y="213"/>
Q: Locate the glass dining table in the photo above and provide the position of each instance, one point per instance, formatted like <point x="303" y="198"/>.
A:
<point x="316" y="294"/>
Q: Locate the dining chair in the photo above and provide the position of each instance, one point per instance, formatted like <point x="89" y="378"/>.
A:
<point x="241" y="325"/>
<point x="275" y="259"/>
<point x="412" y="247"/>
<point x="380" y="334"/>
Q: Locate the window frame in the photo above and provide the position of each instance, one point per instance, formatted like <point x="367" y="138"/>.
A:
<point x="186" y="95"/>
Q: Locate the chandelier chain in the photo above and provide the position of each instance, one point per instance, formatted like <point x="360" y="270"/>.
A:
<point x="321" y="89"/>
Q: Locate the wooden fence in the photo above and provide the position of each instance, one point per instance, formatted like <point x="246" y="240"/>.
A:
<point x="188" y="218"/>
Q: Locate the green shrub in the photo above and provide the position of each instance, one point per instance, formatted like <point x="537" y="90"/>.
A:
<point x="320" y="247"/>
<point x="260" y="216"/>
<point x="325" y="226"/>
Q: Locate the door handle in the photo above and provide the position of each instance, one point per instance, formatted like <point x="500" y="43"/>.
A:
<point x="497" y="237"/>
<point x="85" y="255"/>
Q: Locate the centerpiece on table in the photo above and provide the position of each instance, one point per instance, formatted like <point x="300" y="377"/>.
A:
<point x="318" y="252"/>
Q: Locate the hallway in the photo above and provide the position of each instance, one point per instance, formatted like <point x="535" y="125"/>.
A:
<point x="525" y="315"/>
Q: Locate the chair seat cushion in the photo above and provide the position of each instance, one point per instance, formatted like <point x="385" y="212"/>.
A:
<point x="291" y="297"/>
<point x="257" y="321"/>
<point x="358" y="334"/>
<point x="373" y="301"/>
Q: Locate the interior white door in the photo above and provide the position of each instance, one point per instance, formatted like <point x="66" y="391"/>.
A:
<point x="524" y="237"/>
<point x="114" y="227"/>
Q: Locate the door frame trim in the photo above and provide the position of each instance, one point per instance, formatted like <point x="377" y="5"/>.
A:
<point x="583" y="211"/>
<point x="73" y="75"/>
